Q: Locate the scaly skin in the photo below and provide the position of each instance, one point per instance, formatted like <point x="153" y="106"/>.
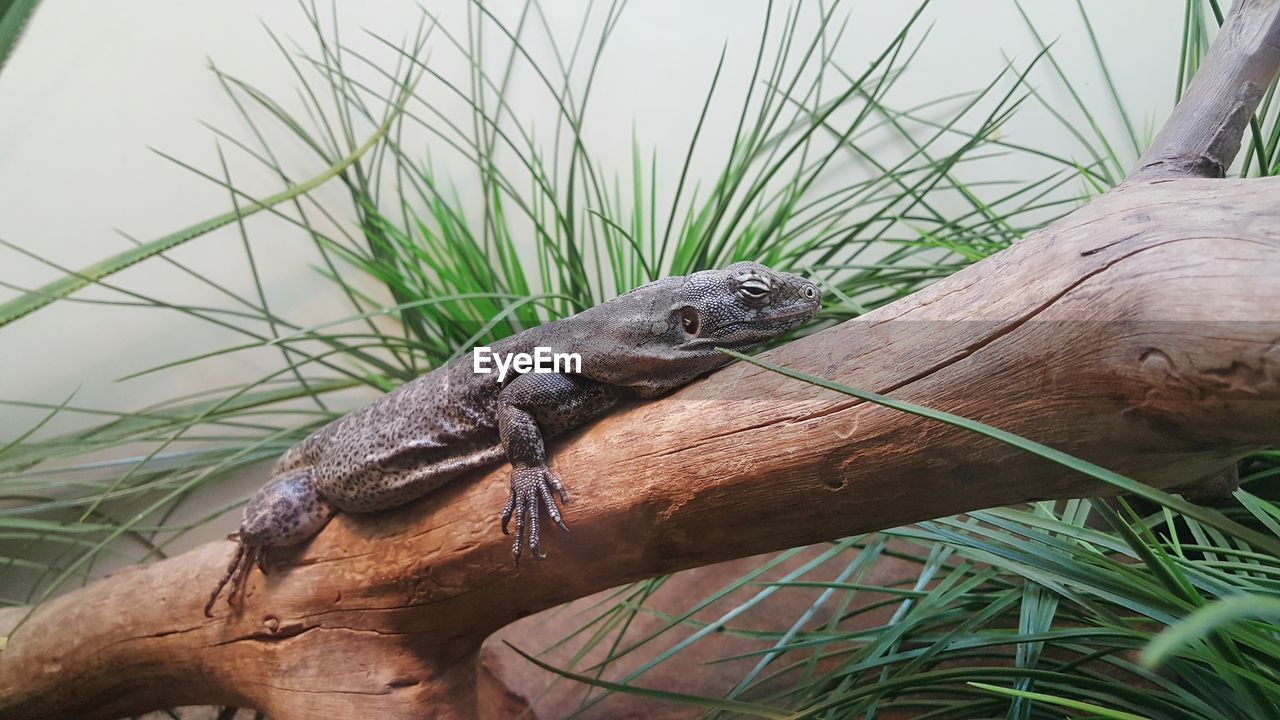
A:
<point x="643" y="344"/>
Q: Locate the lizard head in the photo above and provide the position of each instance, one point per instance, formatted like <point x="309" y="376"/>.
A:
<point x="665" y="334"/>
<point x="740" y="306"/>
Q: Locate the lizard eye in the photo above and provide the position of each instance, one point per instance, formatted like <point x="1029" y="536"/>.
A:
<point x="754" y="288"/>
<point x="691" y="322"/>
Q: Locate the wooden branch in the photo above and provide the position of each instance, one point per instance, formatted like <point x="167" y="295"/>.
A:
<point x="1141" y="332"/>
<point x="1203" y="134"/>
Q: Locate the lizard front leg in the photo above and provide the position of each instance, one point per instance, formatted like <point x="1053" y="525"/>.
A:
<point x="530" y="407"/>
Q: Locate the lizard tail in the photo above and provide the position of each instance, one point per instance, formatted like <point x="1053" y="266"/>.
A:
<point x="239" y="567"/>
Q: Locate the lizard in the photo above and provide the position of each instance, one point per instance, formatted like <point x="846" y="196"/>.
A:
<point x="639" y="345"/>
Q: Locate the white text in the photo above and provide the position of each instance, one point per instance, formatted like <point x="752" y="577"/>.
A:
<point x="542" y="360"/>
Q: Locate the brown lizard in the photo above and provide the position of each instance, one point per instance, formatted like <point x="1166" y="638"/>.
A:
<point x="642" y="344"/>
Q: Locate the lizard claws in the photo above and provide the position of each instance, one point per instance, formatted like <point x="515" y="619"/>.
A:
<point x="506" y="511"/>
<point x="531" y="488"/>
<point x="245" y="557"/>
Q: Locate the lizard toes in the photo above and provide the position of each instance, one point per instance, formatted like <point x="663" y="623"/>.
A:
<point x="507" y="510"/>
<point x="532" y="489"/>
<point x="534" y="512"/>
<point x="535" y="549"/>
<point x="556" y="485"/>
<point x="550" y="503"/>
<point x="522" y="518"/>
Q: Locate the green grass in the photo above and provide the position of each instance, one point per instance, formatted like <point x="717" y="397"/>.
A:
<point x="14" y="16"/>
<point x="1046" y="606"/>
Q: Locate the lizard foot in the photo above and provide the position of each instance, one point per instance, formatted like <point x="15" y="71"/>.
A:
<point x="531" y="488"/>
<point x="245" y="557"/>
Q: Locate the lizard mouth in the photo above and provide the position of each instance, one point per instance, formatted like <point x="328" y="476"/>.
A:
<point x="804" y="313"/>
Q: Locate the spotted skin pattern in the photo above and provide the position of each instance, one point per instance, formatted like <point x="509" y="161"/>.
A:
<point x="642" y="344"/>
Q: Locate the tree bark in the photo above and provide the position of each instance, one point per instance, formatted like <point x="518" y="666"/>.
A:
<point x="1141" y="332"/>
<point x="1203" y="134"/>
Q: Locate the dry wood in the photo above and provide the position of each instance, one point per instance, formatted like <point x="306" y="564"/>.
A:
<point x="1203" y="134"/>
<point x="1141" y="332"/>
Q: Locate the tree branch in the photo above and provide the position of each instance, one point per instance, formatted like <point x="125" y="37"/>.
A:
<point x="1141" y="332"/>
<point x="1202" y="136"/>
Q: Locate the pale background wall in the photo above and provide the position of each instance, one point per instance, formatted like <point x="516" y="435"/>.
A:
<point x="94" y="84"/>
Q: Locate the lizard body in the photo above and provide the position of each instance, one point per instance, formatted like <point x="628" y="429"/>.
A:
<point x="641" y="344"/>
